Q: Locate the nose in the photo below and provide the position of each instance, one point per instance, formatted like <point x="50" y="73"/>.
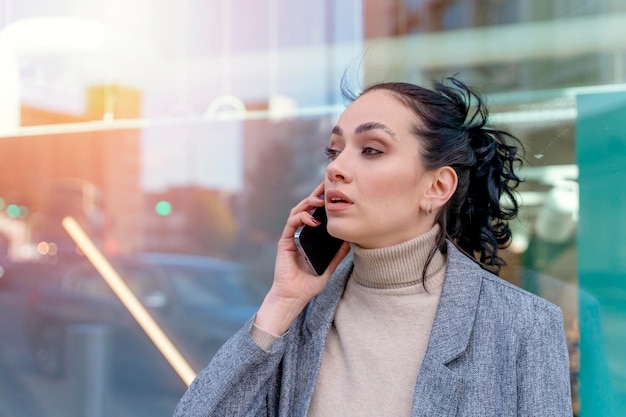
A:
<point x="336" y="169"/>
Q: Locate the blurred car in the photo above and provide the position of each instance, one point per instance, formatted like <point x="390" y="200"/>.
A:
<point x="198" y="302"/>
<point x="22" y="277"/>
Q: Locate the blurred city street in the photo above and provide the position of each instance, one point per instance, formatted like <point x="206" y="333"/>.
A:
<point x="25" y="393"/>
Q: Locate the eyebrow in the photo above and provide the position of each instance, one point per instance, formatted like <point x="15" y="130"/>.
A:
<point x="365" y="127"/>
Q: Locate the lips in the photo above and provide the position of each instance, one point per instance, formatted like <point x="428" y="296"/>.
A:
<point x="336" y="197"/>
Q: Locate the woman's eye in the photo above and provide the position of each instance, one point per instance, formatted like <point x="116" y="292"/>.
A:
<point x="331" y="153"/>
<point x="369" y="151"/>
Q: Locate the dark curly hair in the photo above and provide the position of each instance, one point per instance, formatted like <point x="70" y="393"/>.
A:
<point x="453" y="132"/>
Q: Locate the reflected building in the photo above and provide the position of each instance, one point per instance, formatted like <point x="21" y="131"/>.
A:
<point x="92" y="175"/>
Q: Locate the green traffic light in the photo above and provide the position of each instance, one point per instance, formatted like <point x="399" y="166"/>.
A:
<point x="13" y="211"/>
<point x="163" y="208"/>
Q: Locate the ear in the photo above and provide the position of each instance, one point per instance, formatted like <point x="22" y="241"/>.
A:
<point x="442" y="186"/>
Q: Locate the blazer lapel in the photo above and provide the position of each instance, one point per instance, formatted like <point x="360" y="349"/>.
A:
<point x="319" y="318"/>
<point x="438" y="388"/>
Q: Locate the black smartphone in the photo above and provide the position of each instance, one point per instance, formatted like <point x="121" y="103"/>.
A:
<point x="315" y="244"/>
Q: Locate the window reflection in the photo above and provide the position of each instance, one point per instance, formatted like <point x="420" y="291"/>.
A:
<point x="128" y="128"/>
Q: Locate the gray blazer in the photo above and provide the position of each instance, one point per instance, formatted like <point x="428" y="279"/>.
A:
<point x="494" y="350"/>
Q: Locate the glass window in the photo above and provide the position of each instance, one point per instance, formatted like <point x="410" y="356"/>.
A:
<point x="178" y="135"/>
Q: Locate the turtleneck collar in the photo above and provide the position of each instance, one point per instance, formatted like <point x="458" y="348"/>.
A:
<point x="401" y="265"/>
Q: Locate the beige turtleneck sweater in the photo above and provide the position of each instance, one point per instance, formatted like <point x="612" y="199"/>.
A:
<point x="380" y="332"/>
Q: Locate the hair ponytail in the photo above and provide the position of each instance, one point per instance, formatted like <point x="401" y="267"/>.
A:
<point x="477" y="215"/>
<point x="480" y="225"/>
<point x="453" y="132"/>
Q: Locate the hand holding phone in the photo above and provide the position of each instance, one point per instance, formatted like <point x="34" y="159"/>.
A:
<point x="293" y="287"/>
<point x="315" y="244"/>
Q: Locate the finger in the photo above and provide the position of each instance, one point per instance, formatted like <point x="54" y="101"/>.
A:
<point x="315" y="199"/>
<point x="296" y="220"/>
<point x="306" y="205"/>
<point x="318" y="191"/>
<point x="301" y="213"/>
<point x="304" y="217"/>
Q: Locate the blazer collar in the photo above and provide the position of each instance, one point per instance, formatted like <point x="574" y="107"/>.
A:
<point x="457" y="307"/>
<point x="438" y="387"/>
<point x="321" y="311"/>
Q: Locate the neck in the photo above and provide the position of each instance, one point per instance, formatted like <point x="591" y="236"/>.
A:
<point x="400" y="265"/>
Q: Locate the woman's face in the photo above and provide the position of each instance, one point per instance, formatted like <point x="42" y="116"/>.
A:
<point x="375" y="180"/>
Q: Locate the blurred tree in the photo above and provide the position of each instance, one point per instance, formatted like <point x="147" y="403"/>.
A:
<point x="211" y="224"/>
<point x="269" y="185"/>
<point x="284" y="162"/>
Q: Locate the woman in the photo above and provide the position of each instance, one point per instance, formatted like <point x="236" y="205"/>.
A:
<point x="408" y="324"/>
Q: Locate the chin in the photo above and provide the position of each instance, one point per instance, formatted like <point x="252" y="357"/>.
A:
<point x="339" y="231"/>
